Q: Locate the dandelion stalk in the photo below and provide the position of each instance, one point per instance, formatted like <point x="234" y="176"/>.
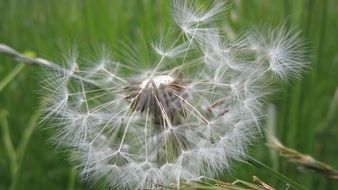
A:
<point x="72" y="179"/>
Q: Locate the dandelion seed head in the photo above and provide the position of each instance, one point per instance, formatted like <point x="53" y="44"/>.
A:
<point x="190" y="113"/>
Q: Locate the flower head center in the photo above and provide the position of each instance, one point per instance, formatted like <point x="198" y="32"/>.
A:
<point x="162" y="96"/>
<point x="157" y="81"/>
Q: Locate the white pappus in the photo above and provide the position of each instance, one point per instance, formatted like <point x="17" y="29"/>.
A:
<point x="189" y="115"/>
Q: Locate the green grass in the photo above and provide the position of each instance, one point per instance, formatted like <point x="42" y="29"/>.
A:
<point x="306" y="114"/>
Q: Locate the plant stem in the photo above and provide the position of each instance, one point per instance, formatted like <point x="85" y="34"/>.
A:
<point x="9" y="147"/>
<point x="22" y="148"/>
<point x="280" y="176"/>
<point x="28" y="133"/>
<point x="72" y="178"/>
<point x="10" y="76"/>
<point x="31" y="60"/>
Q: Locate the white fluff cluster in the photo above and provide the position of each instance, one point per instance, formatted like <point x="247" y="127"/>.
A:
<point x="189" y="114"/>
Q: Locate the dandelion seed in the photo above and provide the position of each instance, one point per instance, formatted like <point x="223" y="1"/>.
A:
<point x="283" y="50"/>
<point x="191" y="115"/>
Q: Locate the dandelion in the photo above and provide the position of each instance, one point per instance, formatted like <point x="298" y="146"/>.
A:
<point x="189" y="115"/>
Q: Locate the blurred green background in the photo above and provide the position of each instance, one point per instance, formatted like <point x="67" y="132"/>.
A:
<point x="305" y="111"/>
